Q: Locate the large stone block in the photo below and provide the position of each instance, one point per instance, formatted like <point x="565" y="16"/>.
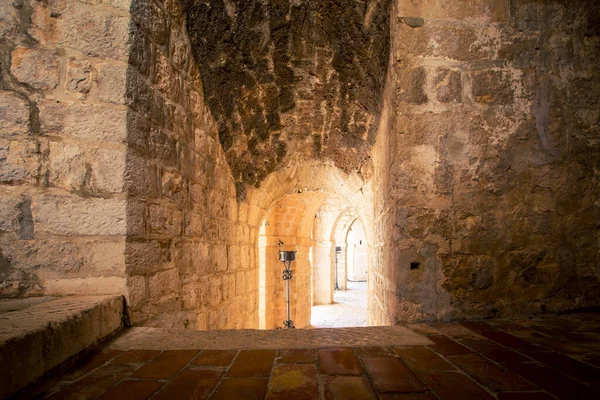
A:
<point x="86" y="286"/>
<point x="193" y="225"/>
<point x="140" y="177"/>
<point x="112" y="82"/>
<point x="19" y="161"/>
<point x="79" y="77"/>
<point x="448" y="86"/>
<point x="162" y="147"/>
<point x="84" y="122"/>
<point x="136" y="285"/>
<point x="411" y="85"/>
<point x="73" y="215"/>
<point x="451" y="42"/>
<point x="165" y="220"/>
<point x="179" y="47"/>
<point x="66" y="166"/>
<point x="14" y="114"/>
<point x="104" y="34"/>
<point x="164" y="285"/>
<point x="168" y="81"/>
<point x="151" y="18"/>
<point x="494" y="10"/>
<point x="140" y="55"/>
<point x="218" y="255"/>
<point x="10" y="211"/>
<point x="174" y="187"/>
<point x="108" y="171"/>
<point x="37" y="68"/>
<point x="492" y="87"/>
<point x="9" y="19"/>
<point x="45" y="21"/>
<point x="144" y="257"/>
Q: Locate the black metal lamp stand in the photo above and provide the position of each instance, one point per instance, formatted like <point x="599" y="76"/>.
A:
<point x="286" y="257"/>
<point x="338" y="250"/>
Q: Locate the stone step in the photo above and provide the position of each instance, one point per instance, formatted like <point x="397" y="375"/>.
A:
<point x="38" y="336"/>
<point x="174" y="339"/>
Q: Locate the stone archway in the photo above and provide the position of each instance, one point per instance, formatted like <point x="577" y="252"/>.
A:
<point x="284" y="208"/>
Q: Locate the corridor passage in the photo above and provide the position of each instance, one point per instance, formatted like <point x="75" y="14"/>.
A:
<point x="349" y="309"/>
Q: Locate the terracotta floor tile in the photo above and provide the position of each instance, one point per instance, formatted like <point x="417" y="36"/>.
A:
<point x="409" y="396"/>
<point x="347" y="387"/>
<point x="479" y="327"/>
<point x="136" y="356"/>
<point x="569" y="366"/>
<point x="592" y="359"/>
<point x="132" y="390"/>
<point x="494" y="351"/>
<point x="552" y="381"/>
<point x="296" y="356"/>
<point x="489" y="374"/>
<point x="166" y="364"/>
<point x="389" y="374"/>
<point x="255" y="363"/>
<point x="503" y="338"/>
<point x="190" y="384"/>
<point x="215" y="358"/>
<point x="91" y="362"/>
<point x="455" y="331"/>
<point x="374" y="351"/>
<point x="423" y="329"/>
<point x="421" y="358"/>
<point x="95" y="383"/>
<point x="508" y="326"/>
<point x="241" y="388"/>
<point x="452" y="386"/>
<point x="293" y="382"/>
<point x="339" y="361"/>
<point x="446" y="346"/>
<point x="513" y="342"/>
<point x="524" y="396"/>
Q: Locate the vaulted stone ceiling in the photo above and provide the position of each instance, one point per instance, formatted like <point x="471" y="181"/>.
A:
<point x="288" y="80"/>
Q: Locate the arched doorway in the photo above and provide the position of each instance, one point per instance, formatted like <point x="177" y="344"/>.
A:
<point x="302" y="208"/>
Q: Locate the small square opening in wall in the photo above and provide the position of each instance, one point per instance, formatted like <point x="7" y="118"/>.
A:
<point x="415" y="265"/>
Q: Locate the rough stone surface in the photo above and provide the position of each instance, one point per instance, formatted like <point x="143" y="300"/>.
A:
<point x="36" y="339"/>
<point x="36" y="68"/>
<point x="482" y="166"/>
<point x="157" y="338"/>
<point x="14" y="113"/>
<point x="298" y="77"/>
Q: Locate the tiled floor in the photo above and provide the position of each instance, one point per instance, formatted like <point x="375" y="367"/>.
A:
<point x="349" y="309"/>
<point x="557" y="357"/>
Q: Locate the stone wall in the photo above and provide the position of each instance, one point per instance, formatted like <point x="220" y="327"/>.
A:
<point x="113" y="179"/>
<point x="193" y="263"/>
<point x="63" y="143"/>
<point x="143" y="142"/>
<point x="493" y="158"/>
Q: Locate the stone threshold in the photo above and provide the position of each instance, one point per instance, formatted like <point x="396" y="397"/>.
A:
<point x="37" y="336"/>
<point x="249" y="339"/>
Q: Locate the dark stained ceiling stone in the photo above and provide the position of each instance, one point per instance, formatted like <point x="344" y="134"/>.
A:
<point x="291" y="77"/>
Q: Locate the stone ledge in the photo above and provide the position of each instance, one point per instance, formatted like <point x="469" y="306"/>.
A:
<point x="37" y="338"/>
<point x="173" y="339"/>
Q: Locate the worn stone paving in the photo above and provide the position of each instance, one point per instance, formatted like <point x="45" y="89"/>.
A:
<point x="174" y="339"/>
<point x="349" y="309"/>
<point x="544" y="358"/>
